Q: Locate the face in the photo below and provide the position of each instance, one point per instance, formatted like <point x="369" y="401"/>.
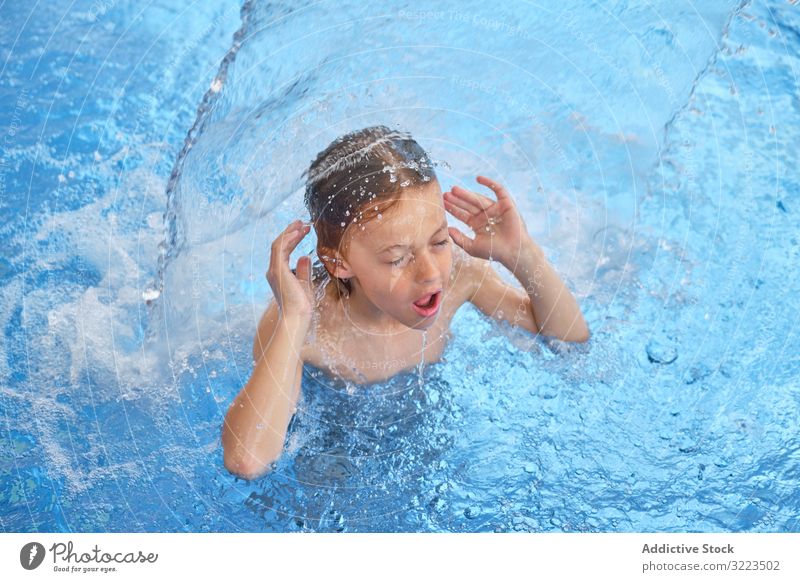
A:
<point x="403" y="256"/>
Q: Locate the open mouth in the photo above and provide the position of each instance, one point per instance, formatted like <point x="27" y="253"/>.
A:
<point x="428" y="305"/>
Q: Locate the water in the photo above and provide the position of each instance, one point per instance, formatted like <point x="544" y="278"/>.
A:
<point x="151" y="154"/>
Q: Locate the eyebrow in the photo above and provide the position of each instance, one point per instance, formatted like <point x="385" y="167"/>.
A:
<point x="398" y="245"/>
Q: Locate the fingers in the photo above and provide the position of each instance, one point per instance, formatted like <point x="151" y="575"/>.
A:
<point x="457" y="208"/>
<point x="471" y="216"/>
<point x="461" y="239"/>
<point x="474" y="200"/>
<point x="496" y="187"/>
<point x="286" y="242"/>
<point x="283" y="246"/>
<point x="303" y="270"/>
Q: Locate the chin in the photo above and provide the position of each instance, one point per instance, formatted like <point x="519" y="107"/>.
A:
<point x="425" y="323"/>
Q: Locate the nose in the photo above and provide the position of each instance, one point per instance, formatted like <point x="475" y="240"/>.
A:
<point x="427" y="269"/>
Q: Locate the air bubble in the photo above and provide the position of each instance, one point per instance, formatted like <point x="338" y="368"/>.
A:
<point x="660" y="351"/>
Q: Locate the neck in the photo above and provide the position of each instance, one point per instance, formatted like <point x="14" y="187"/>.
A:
<point x="366" y="316"/>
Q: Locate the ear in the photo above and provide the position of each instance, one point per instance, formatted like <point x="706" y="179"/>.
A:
<point x="335" y="263"/>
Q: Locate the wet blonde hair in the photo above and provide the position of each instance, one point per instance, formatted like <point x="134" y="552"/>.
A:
<point x="358" y="176"/>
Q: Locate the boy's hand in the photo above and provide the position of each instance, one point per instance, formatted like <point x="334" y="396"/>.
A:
<point x="500" y="232"/>
<point x="292" y="291"/>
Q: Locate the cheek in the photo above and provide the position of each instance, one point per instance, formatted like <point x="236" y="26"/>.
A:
<point x="398" y="282"/>
<point x="446" y="262"/>
<point x="388" y="283"/>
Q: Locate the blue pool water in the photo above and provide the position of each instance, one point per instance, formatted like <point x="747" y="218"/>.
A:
<point x="151" y="152"/>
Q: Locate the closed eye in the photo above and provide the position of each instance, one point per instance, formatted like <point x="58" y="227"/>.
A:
<point x="399" y="262"/>
<point x="402" y="259"/>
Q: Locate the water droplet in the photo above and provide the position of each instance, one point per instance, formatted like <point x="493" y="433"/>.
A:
<point x="380" y="216"/>
<point x="405" y="183"/>
<point x="150" y="294"/>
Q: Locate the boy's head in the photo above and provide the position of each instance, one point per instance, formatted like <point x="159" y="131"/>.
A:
<point x="370" y="189"/>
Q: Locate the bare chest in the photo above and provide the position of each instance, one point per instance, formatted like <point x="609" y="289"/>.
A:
<point x="366" y="358"/>
<point x="336" y="347"/>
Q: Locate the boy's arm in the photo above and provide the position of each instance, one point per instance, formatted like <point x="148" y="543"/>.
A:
<point x="545" y="306"/>
<point x="255" y="426"/>
<point x="495" y="298"/>
<point x="552" y="305"/>
<point x="501" y="233"/>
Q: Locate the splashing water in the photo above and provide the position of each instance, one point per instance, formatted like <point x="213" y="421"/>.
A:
<point x="641" y="152"/>
<point x="421" y="366"/>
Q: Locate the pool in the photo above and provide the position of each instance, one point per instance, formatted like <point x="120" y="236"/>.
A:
<point x="151" y="153"/>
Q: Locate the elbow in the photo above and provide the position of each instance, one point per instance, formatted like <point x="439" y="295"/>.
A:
<point x="247" y="470"/>
<point x="240" y="461"/>
<point x="583" y="337"/>
<point x="580" y="337"/>
<point x="246" y="466"/>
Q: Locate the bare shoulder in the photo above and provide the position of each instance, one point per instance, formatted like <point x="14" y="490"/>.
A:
<point x="271" y="316"/>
